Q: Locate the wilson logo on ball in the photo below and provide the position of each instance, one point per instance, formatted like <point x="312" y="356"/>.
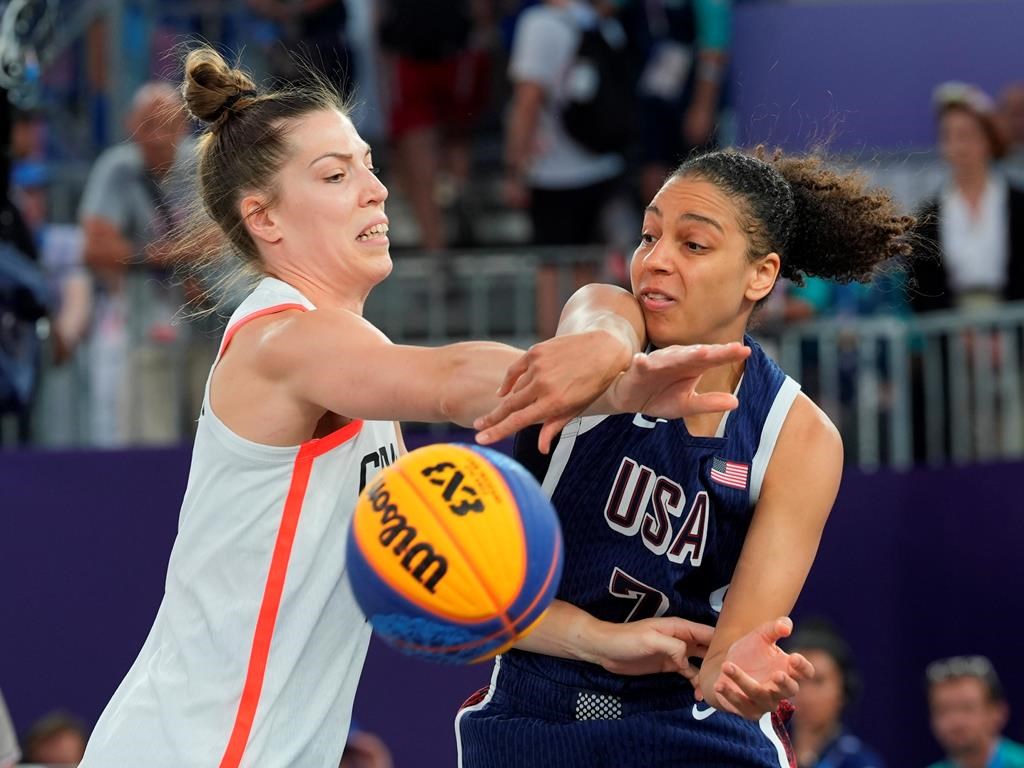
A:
<point x="454" y="552"/>
<point x="396" y="526"/>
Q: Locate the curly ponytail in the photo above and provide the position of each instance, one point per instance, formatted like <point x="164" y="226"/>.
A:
<point x="821" y="223"/>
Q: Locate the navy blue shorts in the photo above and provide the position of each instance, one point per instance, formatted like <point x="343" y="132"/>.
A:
<point x="527" y="720"/>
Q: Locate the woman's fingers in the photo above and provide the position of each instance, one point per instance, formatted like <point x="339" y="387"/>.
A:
<point x="517" y="369"/>
<point x="799" y="667"/>
<point x="732" y="699"/>
<point x="551" y="429"/>
<point x="513" y="421"/>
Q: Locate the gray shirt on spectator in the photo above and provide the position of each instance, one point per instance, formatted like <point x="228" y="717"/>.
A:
<point x="122" y="191"/>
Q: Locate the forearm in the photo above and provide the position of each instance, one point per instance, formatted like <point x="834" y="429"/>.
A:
<point x="522" y="127"/>
<point x="105" y="246"/>
<point x="566" y="632"/>
<point x="473" y="372"/>
<point x="601" y="307"/>
<point x="114" y="251"/>
<point x="614" y="313"/>
<point x="711" y="67"/>
<point x="714" y="26"/>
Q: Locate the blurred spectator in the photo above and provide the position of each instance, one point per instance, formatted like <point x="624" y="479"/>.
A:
<point x="1011" y="107"/>
<point x="364" y="750"/>
<point x="968" y="714"/>
<point x="309" y="32"/>
<point x="564" y="185"/>
<point x="684" y="48"/>
<point x="60" y="249"/>
<point x="977" y="221"/>
<point x="56" y="739"/>
<point x="24" y="298"/>
<point x="56" y="418"/>
<point x="819" y="738"/>
<point x="9" y="752"/>
<point x="134" y="198"/>
<point x="436" y="74"/>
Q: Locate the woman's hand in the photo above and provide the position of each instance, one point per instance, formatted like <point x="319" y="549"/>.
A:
<point x="552" y="383"/>
<point x="558" y="379"/>
<point x="649" y="646"/>
<point x="664" y="382"/>
<point x="663" y="644"/>
<point x="756" y="674"/>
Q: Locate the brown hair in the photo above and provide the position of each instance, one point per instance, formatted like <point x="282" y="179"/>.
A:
<point x="821" y="223"/>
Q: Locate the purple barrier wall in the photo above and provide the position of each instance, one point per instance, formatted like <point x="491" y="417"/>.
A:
<point x="912" y="567"/>
<point x="863" y="72"/>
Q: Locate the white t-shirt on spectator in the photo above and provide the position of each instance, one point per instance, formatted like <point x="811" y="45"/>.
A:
<point x="975" y="248"/>
<point x="543" y="50"/>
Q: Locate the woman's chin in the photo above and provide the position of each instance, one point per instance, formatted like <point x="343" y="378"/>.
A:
<point x="382" y="268"/>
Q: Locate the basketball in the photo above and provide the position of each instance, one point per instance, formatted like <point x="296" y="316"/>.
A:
<point x="454" y="553"/>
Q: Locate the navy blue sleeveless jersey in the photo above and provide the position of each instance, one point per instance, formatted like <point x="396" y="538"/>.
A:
<point x="653" y="520"/>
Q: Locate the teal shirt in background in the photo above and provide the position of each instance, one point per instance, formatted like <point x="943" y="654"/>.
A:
<point x="886" y="295"/>
<point x="1008" y="754"/>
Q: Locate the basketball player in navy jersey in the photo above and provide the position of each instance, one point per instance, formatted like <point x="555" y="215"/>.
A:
<point x="714" y="519"/>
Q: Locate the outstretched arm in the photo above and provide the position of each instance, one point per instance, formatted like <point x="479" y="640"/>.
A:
<point x="745" y="672"/>
<point x="337" y="361"/>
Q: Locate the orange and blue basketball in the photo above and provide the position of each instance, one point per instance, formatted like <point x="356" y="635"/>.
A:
<point x="454" y="552"/>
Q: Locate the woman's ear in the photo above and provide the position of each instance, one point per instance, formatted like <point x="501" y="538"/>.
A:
<point x="259" y="219"/>
<point x="765" y="273"/>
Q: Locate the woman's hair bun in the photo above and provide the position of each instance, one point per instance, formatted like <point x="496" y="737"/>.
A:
<point x="213" y="89"/>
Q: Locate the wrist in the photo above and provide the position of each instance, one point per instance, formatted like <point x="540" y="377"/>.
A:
<point x="587" y="634"/>
<point x="707" y="677"/>
<point x="711" y="70"/>
<point x="619" y="341"/>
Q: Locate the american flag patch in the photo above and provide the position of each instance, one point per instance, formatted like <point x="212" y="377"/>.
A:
<point x="731" y="473"/>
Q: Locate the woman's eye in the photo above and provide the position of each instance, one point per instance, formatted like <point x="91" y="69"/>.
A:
<point x="375" y="170"/>
<point x="647" y="238"/>
<point x="695" y="247"/>
<point x="336" y="177"/>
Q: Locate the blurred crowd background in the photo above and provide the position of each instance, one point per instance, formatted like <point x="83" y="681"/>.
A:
<point x="502" y="204"/>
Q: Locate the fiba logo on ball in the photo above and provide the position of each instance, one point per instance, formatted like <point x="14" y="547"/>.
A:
<point x="454" y="552"/>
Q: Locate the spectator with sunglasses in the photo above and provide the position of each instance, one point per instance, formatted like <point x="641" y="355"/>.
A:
<point x="968" y="714"/>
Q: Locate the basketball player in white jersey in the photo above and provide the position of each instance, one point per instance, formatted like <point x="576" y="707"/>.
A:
<point x="256" y="650"/>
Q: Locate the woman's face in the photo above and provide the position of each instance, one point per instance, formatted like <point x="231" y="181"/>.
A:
<point x="328" y="221"/>
<point x="963" y="142"/>
<point x="690" y="271"/>
<point x="820" y="700"/>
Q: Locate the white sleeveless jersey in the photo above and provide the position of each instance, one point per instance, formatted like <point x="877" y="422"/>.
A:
<point x="256" y="651"/>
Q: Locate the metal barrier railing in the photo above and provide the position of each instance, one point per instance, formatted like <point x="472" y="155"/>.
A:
<point x="943" y="387"/>
<point x="495" y="294"/>
<point x="940" y="387"/>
